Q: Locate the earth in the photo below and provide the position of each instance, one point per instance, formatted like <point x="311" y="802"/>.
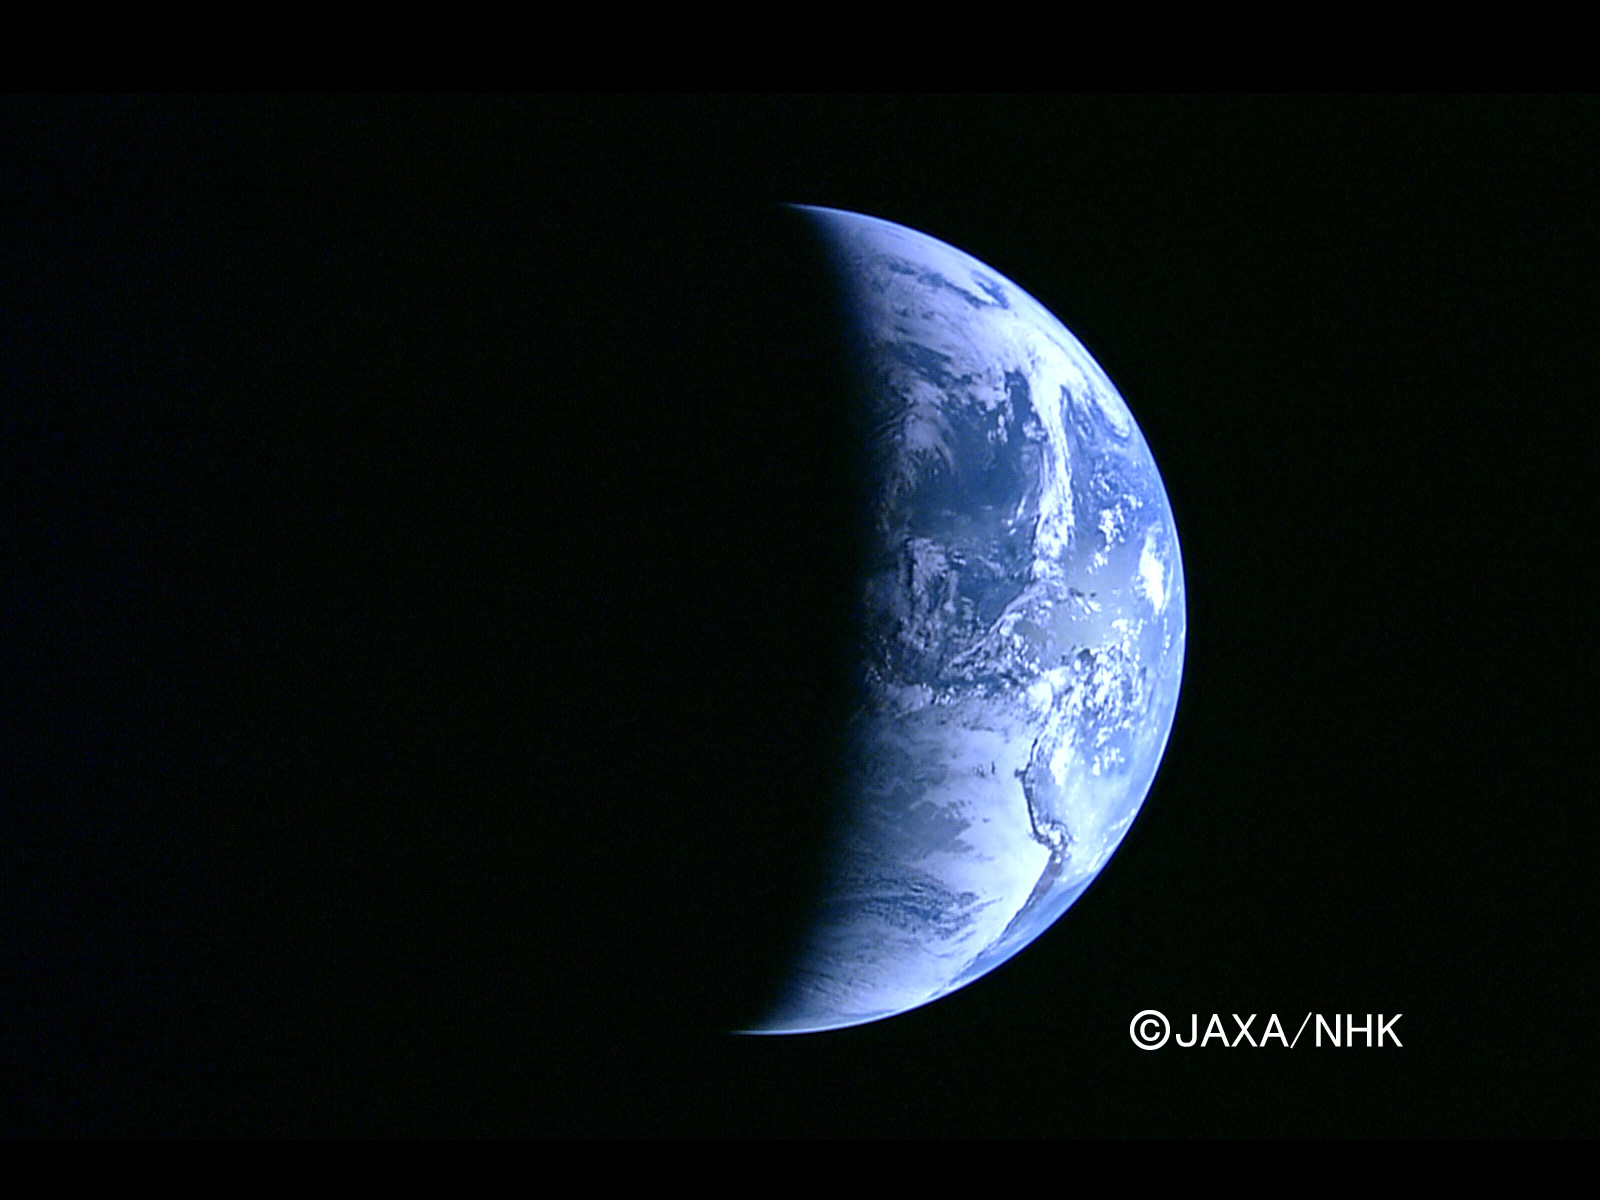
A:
<point x="1022" y="641"/>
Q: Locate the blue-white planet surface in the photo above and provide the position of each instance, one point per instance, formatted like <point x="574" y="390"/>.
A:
<point x="1022" y="632"/>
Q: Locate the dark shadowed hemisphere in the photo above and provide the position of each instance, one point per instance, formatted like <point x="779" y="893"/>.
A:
<point x="1008" y="723"/>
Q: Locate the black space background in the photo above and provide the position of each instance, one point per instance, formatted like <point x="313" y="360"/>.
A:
<point x="424" y="540"/>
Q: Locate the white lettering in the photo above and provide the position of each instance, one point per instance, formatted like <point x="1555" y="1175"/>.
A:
<point x="1244" y="1029"/>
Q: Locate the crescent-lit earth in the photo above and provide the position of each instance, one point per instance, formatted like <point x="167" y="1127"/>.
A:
<point x="1022" y="632"/>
